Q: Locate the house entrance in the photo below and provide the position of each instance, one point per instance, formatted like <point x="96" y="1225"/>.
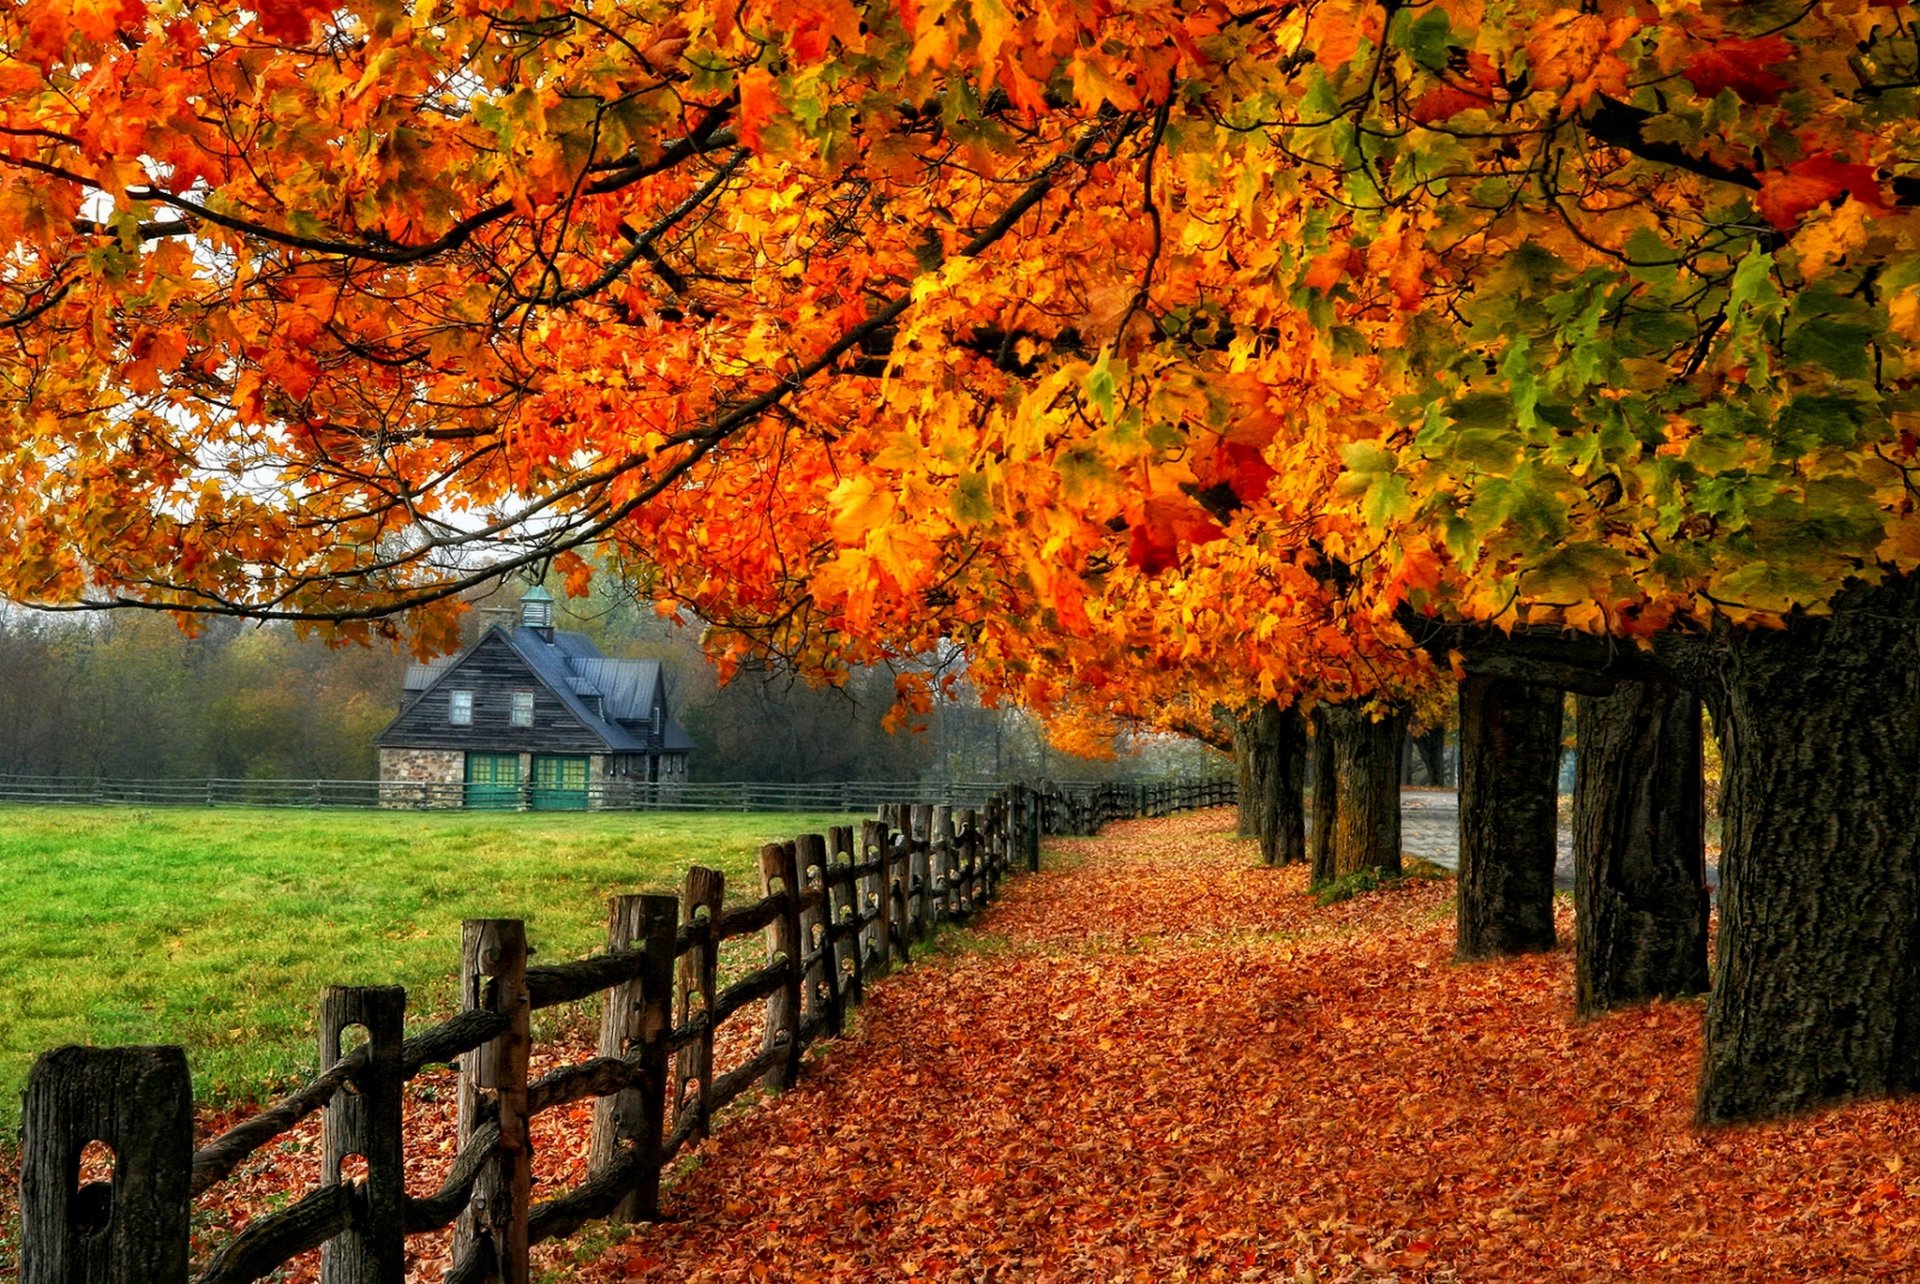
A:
<point x="559" y="782"/>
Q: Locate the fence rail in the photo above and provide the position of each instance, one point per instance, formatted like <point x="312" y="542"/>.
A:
<point x="835" y="912"/>
<point x="851" y="797"/>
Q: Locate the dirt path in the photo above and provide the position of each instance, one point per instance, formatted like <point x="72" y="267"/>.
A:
<point x="1157" y="1063"/>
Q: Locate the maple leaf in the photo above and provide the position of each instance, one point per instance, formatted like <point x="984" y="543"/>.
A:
<point x="1744" y="66"/>
<point x="1786" y="194"/>
<point x="758" y="104"/>
<point x="291" y="21"/>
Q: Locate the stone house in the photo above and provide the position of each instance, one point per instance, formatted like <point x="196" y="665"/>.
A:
<point x="530" y="717"/>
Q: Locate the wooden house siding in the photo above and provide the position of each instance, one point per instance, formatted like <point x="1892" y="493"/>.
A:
<point x="493" y="672"/>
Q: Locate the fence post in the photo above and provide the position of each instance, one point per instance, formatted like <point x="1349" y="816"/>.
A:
<point x="822" y="921"/>
<point x="638" y="1015"/>
<point x="842" y="856"/>
<point x="874" y="846"/>
<point x="933" y="844"/>
<point x="705" y="889"/>
<point x="364" y="1120"/>
<point x="913" y="834"/>
<point x="131" y="1229"/>
<point x="780" y="864"/>
<point x="493" y="976"/>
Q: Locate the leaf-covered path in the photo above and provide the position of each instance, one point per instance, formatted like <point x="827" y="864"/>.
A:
<point x="1157" y="1062"/>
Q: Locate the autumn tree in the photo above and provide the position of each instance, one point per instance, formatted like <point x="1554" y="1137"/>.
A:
<point x="867" y="327"/>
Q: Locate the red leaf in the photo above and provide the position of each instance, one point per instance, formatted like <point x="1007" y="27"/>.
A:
<point x="1786" y="194"/>
<point x="1444" y="102"/>
<point x="291" y="21"/>
<point x="1741" y="65"/>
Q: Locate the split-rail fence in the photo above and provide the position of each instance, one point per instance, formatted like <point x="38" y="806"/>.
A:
<point x="836" y="912"/>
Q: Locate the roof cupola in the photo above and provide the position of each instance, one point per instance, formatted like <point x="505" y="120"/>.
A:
<point x="536" y="611"/>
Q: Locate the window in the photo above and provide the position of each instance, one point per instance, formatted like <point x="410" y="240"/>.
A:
<point x="460" y="708"/>
<point x="523" y="708"/>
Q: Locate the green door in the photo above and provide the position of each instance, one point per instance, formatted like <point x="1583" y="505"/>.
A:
<point x="493" y="781"/>
<point x="559" y="782"/>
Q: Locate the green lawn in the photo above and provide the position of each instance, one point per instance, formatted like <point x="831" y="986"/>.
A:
<point x="218" y="929"/>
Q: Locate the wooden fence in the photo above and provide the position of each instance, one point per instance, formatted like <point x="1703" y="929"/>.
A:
<point x="835" y="913"/>
<point x="851" y="797"/>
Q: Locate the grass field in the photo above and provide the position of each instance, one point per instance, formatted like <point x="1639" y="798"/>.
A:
<point x="218" y="929"/>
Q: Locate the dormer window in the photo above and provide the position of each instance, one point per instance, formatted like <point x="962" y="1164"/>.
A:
<point x="523" y="708"/>
<point x="659" y="720"/>
<point x="460" y="708"/>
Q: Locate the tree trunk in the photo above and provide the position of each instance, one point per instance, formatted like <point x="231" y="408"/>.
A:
<point x="1639" y="849"/>
<point x="1366" y="784"/>
<point x="1325" y="798"/>
<point x="1276" y="741"/>
<point x="1509" y="822"/>
<point x="1245" y="824"/>
<point x="1817" y="986"/>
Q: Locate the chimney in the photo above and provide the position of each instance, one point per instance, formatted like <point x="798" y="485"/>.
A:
<point x="536" y="611"/>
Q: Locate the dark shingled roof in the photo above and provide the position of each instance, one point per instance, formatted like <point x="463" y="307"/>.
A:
<point x="612" y="699"/>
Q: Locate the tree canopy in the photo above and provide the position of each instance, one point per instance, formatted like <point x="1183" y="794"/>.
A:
<point x="865" y="325"/>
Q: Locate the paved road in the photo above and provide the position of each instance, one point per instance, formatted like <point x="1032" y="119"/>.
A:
<point x="1430" y="828"/>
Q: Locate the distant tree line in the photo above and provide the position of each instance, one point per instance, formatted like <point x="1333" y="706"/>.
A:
<point x="126" y="695"/>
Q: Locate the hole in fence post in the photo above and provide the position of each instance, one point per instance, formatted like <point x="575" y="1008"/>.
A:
<point x="90" y="1209"/>
<point x="351" y="1038"/>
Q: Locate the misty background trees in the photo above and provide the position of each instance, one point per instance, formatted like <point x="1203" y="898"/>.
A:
<point x="127" y="695"/>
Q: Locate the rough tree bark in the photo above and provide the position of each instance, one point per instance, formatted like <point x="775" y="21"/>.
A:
<point x="1817" y="987"/>
<point x="1325" y="799"/>
<point x="1509" y="793"/>
<point x="1639" y="848"/>
<point x="1276" y="743"/>
<point x="1366" y="787"/>
<point x="1816" y="994"/>
<point x="1245" y="825"/>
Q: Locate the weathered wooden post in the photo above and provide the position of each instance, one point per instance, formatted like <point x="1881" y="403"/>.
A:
<point x="700" y="899"/>
<point x="638" y="1017"/>
<point x="1030" y="828"/>
<point x="780" y="871"/>
<point x="131" y="1229"/>
<point x="493" y="976"/>
<point x="841" y="859"/>
<point x="875" y="847"/>
<point x="913" y="892"/>
<point x="364" y="1120"/>
<point x="820" y="934"/>
<point x="916" y="828"/>
<point x="933" y="830"/>
<point x="966" y="860"/>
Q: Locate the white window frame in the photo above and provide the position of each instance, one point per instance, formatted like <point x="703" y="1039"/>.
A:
<point x="459" y="708"/>
<point x="522" y="700"/>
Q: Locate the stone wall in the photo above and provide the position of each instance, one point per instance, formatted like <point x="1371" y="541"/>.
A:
<point x="416" y="778"/>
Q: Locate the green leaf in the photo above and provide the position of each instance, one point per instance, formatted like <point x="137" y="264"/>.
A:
<point x="1388" y="500"/>
<point x="1833" y="347"/>
<point x="1367" y="457"/>
<point x="1482" y="410"/>
<point x="1428" y="38"/>
<point x="972" y="500"/>
<point x="1816" y="419"/>
<point x="1753" y="285"/>
<point x="1100" y="386"/>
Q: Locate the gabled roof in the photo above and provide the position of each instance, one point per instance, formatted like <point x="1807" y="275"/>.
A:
<point x="554" y="663"/>
<point x="612" y="700"/>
